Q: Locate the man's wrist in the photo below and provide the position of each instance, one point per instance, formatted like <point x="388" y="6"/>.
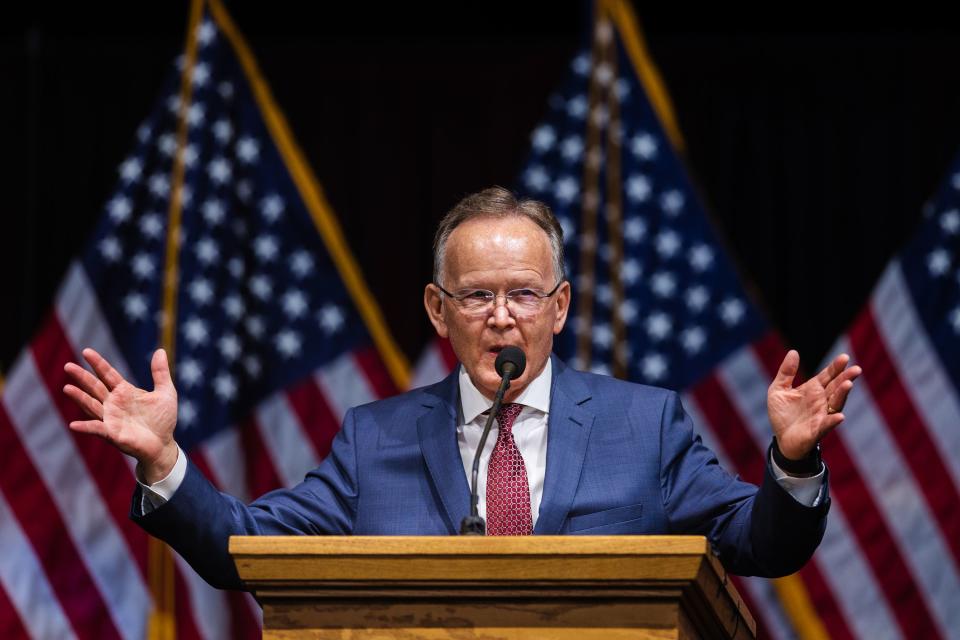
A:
<point x="158" y="493"/>
<point x="807" y="466"/>
<point x="160" y="470"/>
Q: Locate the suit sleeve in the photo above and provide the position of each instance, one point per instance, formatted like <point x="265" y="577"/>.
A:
<point x="198" y="520"/>
<point x="763" y="531"/>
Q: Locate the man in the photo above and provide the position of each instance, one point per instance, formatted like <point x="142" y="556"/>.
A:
<point x="576" y="453"/>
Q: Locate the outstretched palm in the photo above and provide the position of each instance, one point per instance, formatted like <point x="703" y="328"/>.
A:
<point x="801" y="416"/>
<point x="139" y="423"/>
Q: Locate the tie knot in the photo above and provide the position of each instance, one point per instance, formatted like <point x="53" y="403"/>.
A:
<point x="507" y="414"/>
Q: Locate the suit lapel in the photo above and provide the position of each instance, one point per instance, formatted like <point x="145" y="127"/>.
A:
<point x="438" y="443"/>
<point x="567" y="437"/>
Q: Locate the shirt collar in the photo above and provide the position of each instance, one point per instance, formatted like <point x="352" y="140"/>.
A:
<point x="535" y="396"/>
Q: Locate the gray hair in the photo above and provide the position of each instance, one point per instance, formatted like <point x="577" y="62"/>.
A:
<point x="497" y="202"/>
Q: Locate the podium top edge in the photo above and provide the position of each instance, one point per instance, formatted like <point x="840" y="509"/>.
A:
<point x="468" y="545"/>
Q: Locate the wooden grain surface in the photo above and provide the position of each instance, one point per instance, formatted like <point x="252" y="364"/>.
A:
<point x="452" y="587"/>
<point x="461" y="545"/>
<point x="475" y="620"/>
<point x="480" y="559"/>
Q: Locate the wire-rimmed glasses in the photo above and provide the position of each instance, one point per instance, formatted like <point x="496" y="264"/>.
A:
<point x="525" y="302"/>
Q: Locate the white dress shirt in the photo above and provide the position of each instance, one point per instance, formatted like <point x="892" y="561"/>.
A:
<point x="529" y="433"/>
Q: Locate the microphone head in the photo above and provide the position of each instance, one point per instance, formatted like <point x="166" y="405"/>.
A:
<point x="514" y="356"/>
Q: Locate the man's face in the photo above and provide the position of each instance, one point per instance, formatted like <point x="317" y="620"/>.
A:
<point x="499" y="255"/>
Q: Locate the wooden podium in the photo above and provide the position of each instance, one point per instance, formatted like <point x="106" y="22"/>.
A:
<point x="563" y="587"/>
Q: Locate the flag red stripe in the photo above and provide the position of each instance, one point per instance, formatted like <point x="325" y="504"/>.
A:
<point x="42" y="524"/>
<point x="186" y="625"/>
<point x="243" y="623"/>
<point x="446" y="353"/>
<point x="10" y="624"/>
<point x="726" y="424"/>
<point x="106" y="466"/>
<point x="376" y="372"/>
<point x="874" y="537"/>
<point x="261" y="475"/>
<point x="752" y="605"/>
<point x="907" y="428"/>
<point x="824" y="602"/>
<point x="314" y="414"/>
<point x="769" y="351"/>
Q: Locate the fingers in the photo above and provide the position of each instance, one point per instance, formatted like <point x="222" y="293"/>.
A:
<point x="160" y="368"/>
<point x="90" y="405"/>
<point x="832" y="421"/>
<point x="86" y="381"/>
<point x="103" y="369"/>
<point x="833" y="369"/>
<point x="788" y="370"/>
<point x="96" y="427"/>
<point x="838" y="398"/>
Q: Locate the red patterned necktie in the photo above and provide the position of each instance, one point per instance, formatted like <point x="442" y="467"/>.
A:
<point x="508" y="493"/>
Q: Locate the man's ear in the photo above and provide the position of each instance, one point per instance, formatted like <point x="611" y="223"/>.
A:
<point x="433" y="303"/>
<point x="562" y="300"/>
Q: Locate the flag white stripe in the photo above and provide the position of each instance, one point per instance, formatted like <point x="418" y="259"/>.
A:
<point x="290" y="451"/>
<point x="25" y="581"/>
<point x="765" y="598"/>
<point x="225" y="458"/>
<point x="918" y="365"/>
<point x="344" y="385"/>
<point x="84" y="325"/>
<point x="855" y="587"/>
<point x="905" y="510"/>
<point x="82" y="321"/>
<point x="208" y="606"/>
<point x="96" y="536"/>
<point x="745" y="380"/>
<point x="430" y="367"/>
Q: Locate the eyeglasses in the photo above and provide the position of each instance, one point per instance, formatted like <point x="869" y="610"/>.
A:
<point x="522" y="303"/>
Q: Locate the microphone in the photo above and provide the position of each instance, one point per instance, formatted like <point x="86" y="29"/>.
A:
<point x="510" y="364"/>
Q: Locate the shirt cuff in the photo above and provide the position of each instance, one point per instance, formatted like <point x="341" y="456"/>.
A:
<point x="806" y="491"/>
<point x="157" y="494"/>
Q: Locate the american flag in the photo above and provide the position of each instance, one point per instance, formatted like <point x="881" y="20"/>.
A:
<point x="891" y="554"/>
<point x="656" y="300"/>
<point x="274" y="337"/>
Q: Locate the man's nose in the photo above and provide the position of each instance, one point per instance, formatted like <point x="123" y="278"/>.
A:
<point x="501" y="316"/>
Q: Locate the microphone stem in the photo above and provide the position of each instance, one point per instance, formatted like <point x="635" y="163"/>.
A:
<point x="476" y="521"/>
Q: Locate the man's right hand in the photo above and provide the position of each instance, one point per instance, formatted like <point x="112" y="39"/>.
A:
<point x="139" y="423"/>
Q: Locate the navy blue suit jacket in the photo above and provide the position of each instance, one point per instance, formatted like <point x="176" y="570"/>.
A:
<point x="621" y="459"/>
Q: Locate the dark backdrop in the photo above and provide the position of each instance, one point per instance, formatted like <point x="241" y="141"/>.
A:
<point x="814" y="141"/>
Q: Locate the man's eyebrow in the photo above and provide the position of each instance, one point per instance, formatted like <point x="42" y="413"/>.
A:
<point x="529" y="280"/>
<point x="507" y="287"/>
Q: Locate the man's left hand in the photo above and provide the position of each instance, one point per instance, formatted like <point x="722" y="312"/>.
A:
<point x="801" y="416"/>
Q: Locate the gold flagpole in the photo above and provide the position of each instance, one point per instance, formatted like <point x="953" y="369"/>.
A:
<point x="162" y="623"/>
